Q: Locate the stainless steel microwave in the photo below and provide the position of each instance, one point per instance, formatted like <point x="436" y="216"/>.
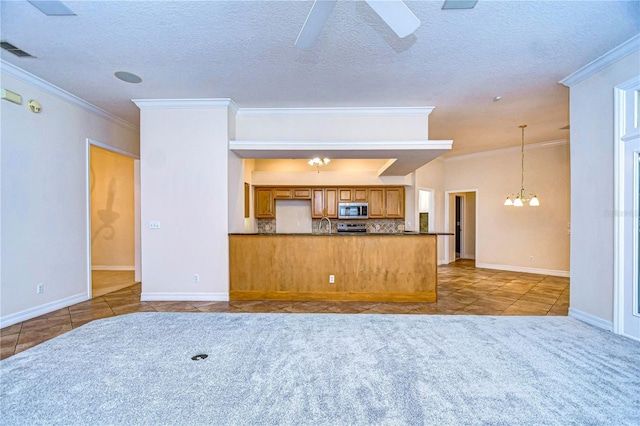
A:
<point x="353" y="210"/>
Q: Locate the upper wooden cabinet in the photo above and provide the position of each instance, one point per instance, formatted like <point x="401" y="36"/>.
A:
<point x="360" y="195"/>
<point x="394" y="203"/>
<point x="283" y="193"/>
<point x="264" y="205"/>
<point x="331" y="202"/>
<point x="301" y="193"/>
<point x="384" y="202"/>
<point x="317" y="202"/>
<point x="376" y="203"/>
<point x="346" y="195"/>
<point x="324" y="202"/>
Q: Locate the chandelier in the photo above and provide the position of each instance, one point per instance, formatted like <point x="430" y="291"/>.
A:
<point x="318" y="162"/>
<point x="521" y="198"/>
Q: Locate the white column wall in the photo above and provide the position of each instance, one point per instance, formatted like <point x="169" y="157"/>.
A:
<point x="184" y="174"/>
<point x="592" y="162"/>
<point x="431" y="176"/>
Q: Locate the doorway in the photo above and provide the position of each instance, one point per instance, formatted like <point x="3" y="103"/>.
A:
<point x="113" y="219"/>
<point x="626" y="318"/>
<point x="459" y="226"/>
<point x="461" y="222"/>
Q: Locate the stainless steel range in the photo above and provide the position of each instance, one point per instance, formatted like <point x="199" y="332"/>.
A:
<point x="355" y="228"/>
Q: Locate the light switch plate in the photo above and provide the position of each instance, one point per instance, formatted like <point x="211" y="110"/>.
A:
<point x="154" y="224"/>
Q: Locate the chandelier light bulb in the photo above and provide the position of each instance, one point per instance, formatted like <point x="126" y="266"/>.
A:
<point x="317" y="162"/>
<point x="534" y="201"/>
<point x="518" y="202"/>
<point x="508" y="202"/>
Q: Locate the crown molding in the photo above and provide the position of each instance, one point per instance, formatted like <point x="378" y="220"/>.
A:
<point x="603" y="61"/>
<point x="425" y="110"/>
<point x="529" y="147"/>
<point x="184" y="103"/>
<point x="45" y="86"/>
<point x="233" y="107"/>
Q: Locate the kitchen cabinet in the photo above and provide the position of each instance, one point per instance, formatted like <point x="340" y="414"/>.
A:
<point x="247" y="192"/>
<point x="394" y="203"/>
<point x="324" y="202"/>
<point x="301" y="193"/>
<point x="264" y="205"/>
<point x="283" y="193"/>
<point x="359" y="195"/>
<point x="376" y="203"/>
<point x="331" y="202"/>
<point x="347" y="195"/>
<point x="344" y="195"/>
<point x="386" y="203"/>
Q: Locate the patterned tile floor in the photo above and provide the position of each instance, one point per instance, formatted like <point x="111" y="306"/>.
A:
<point x="462" y="290"/>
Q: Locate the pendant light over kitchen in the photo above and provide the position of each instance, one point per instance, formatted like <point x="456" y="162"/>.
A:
<point x="521" y="198"/>
<point x="318" y="162"/>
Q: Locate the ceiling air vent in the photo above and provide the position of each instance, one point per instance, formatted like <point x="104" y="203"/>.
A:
<point x="15" y="50"/>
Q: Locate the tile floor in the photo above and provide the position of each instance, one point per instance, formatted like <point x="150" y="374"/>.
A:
<point x="462" y="290"/>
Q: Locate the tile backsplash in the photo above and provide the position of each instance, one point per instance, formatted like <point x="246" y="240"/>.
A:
<point x="385" y="226"/>
<point x="266" y="226"/>
<point x="374" y="226"/>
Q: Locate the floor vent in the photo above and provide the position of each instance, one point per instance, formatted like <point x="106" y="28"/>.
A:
<point x="15" y="50"/>
<point x="199" y="357"/>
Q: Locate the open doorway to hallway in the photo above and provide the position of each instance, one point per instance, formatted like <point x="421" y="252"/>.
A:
<point x="460" y="220"/>
<point x="113" y="229"/>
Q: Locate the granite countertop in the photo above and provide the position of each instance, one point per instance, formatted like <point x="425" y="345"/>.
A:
<point x="344" y="234"/>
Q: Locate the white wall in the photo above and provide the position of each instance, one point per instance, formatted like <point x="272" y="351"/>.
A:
<point x="508" y="236"/>
<point x="431" y="176"/>
<point x="293" y="216"/>
<point x="236" y="181"/>
<point x="185" y="186"/>
<point x="592" y="162"/>
<point x="469" y="225"/>
<point x="333" y="124"/>
<point x="44" y="195"/>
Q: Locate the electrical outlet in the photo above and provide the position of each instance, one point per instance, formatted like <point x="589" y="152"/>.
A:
<point x="530" y="258"/>
<point x="40" y="288"/>
<point x="196" y="278"/>
<point x="332" y="279"/>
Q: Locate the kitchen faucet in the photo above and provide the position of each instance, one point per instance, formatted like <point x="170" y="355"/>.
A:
<point x="320" y="223"/>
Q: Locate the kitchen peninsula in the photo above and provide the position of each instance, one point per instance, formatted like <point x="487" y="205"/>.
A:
<point x="374" y="267"/>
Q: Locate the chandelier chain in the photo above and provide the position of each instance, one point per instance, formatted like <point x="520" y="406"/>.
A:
<point x="522" y="161"/>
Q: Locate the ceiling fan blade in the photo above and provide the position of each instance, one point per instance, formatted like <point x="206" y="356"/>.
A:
<point x="396" y="15"/>
<point x="314" y="24"/>
<point x="459" y="4"/>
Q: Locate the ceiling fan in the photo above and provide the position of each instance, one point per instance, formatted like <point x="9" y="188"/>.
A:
<point x="394" y="13"/>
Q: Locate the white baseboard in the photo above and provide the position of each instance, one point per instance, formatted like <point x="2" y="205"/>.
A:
<point x="469" y="256"/>
<point x="591" y="319"/>
<point x="28" y="314"/>
<point x="553" y="272"/>
<point x="112" y="268"/>
<point x="184" y="297"/>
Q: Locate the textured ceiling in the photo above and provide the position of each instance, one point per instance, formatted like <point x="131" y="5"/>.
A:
<point x="456" y="61"/>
